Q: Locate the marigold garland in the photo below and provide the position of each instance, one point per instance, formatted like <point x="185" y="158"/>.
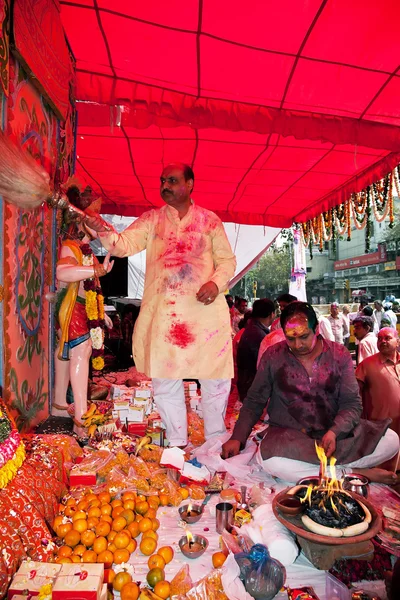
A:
<point x="10" y="469"/>
<point x="376" y="199"/>
<point x="94" y="304"/>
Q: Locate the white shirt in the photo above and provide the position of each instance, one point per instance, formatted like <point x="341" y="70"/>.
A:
<point x="339" y="327"/>
<point x="325" y="329"/>
<point x="392" y="316"/>
<point x="367" y="347"/>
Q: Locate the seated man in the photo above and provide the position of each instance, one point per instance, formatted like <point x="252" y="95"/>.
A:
<point x="257" y="328"/>
<point x="364" y="333"/>
<point x="313" y="396"/>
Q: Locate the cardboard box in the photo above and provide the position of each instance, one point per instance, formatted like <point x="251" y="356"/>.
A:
<point x="142" y="393"/>
<point x="137" y="428"/>
<point x="173" y="458"/>
<point x="31" y="576"/>
<point x="136" y="414"/>
<point x="103" y="593"/>
<point x="190" y="473"/>
<point x="79" y="582"/>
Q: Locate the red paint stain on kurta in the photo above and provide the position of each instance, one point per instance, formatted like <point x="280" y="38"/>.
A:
<point x="180" y="335"/>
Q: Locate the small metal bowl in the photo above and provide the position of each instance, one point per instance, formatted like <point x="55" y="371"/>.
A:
<point x="199" y="540"/>
<point x="309" y="481"/>
<point x="353" y="482"/>
<point x="290" y="505"/>
<point x="196" y="512"/>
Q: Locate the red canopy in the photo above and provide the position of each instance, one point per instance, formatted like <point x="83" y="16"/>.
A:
<point x="282" y="108"/>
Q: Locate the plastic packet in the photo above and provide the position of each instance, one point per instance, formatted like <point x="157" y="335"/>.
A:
<point x="172" y="489"/>
<point x="231" y="542"/>
<point x="139" y="466"/>
<point x="260" y="494"/>
<point x="181" y="584"/>
<point x="196" y="492"/>
<point x="158" y="480"/>
<point x="151" y="455"/>
<point x="263" y="576"/>
<point x="208" y="588"/>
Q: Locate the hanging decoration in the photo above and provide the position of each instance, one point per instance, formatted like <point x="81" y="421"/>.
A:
<point x="375" y="201"/>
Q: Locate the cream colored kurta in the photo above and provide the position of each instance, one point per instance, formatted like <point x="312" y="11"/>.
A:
<point x="176" y="336"/>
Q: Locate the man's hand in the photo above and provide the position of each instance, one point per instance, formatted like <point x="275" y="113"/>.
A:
<point x="328" y="443"/>
<point x="108" y="322"/>
<point x="97" y="223"/>
<point x="230" y="448"/>
<point x="207" y="293"/>
<point x="107" y="264"/>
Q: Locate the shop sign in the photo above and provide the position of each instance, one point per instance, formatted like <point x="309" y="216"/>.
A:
<point x="390" y="266"/>
<point x="363" y="260"/>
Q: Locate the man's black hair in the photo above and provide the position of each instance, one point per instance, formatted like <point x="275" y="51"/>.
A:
<point x="263" y="308"/>
<point x="366" y="322"/>
<point x="188" y="172"/>
<point x="367" y="311"/>
<point x="286" y="298"/>
<point x="303" y="308"/>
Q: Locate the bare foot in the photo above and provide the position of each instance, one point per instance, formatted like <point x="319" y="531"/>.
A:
<point x="377" y="475"/>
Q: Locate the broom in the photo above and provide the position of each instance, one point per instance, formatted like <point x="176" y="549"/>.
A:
<point x="25" y="184"/>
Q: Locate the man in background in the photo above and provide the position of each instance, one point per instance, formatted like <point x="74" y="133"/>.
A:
<point x="363" y="332"/>
<point x="338" y="323"/>
<point x="238" y="312"/>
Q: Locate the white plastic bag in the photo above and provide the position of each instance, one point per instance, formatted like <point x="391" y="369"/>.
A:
<point x="209" y="454"/>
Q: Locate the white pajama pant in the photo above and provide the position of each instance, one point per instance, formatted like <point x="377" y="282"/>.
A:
<point x="291" y="470"/>
<point x="169" y="396"/>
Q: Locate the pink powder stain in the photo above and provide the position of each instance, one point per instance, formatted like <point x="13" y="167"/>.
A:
<point x="180" y="335"/>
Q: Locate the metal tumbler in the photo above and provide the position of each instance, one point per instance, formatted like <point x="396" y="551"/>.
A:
<point x="224" y="516"/>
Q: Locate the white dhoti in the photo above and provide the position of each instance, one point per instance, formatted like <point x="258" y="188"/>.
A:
<point x="169" y="396"/>
<point x="291" y="470"/>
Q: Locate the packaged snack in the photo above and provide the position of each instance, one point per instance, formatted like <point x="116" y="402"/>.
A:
<point x="303" y="593"/>
<point x="196" y="492"/>
<point x="181" y="584"/>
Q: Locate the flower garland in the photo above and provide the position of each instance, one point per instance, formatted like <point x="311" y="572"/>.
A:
<point x="12" y="449"/>
<point x="46" y="592"/>
<point x="94" y="310"/>
<point x="376" y="200"/>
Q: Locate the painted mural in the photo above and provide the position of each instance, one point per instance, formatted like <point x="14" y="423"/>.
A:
<point x="4" y="44"/>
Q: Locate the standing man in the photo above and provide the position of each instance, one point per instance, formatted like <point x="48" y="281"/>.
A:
<point x="379" y="380"/>
<point x="378" y="312"/>
<point x="389" y="313"/>
<point x="183" y="329"/>
<point x="338" y="323"/>
<point x="346" y="318"/>
<point x="237" y="313"/>
<point x="364" y="333"/>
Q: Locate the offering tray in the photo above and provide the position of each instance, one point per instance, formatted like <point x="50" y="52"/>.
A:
<point x="323" y="550"/>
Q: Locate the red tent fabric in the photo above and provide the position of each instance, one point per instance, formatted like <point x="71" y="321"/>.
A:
<point x="282" y="108"/>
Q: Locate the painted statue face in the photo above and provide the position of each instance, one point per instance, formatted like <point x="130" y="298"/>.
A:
<point x="300" y="338"/>
<point x="174" y="190"/>
<point x="387" y="341"/>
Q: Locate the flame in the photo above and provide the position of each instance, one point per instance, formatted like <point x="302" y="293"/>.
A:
<point x="329" y="484"/>
<point x="323" y="461"/>
<point x="189" y="537"/>
<point x="189" y="509"/>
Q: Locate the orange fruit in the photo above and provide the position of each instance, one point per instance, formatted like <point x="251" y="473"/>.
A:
<point x="134" y="529"/>
<point x="104" y="497"/>
<point x="153" y="504"/>
<point x="218" y="559"/>
<point x="79" y="549"/>
<point x="111" y="547"/>
<point x="151" y="513"/>
<point x="65" y="551"/>
<point x="184" y="492"/>
<point x="142" y="508"/>
<point x="131" y="547"/>
<point x="167" y="553"/>
<point x="116" y="502"/>
<point x="121" y="555"/>
<point x="103" y="528"/>
<point x="82" y="505"/>
<point x="89" y="556"/>
<point x="150" y="534"/>
<point x="154" y="499"/>
<point x="100" y="544"/>
<point x="111" y="575"/>
<point x="76" y="559"/>
<point x="128" y="515"/>
<point x="106" y="557"/>
<point x="61" y="508"/>
<point x="80" y="525"/>
<point x="148" y="546"/>
<point x="71" y="502"/>
<point x="94" y="511"/>
<point x="106" y="519"/>
<point x="154" y="576"/>
<point x="92" y="522"/>
<point x="61" y="560"/>
<point x="106" y="509"/>
<point x="79" y="514"/>
<point x="156" y="560"/>
<point x="128" y="496"/>
<point x="121" y="579"/>
<point x="138" y="518"/>
<point x="121" y="540"/>
<point x="89" y="497"/>
<point x="141" y="498"/>
<point x="111" y="536"/>
<point x="72" y="538"/>
<point x="94" y="503"/>
<point x="87" y="538"/>
<point x="119" y="524"/>
<point x="156" y="524"/>
<point x="57" y="521"/>
<point x="129" y="504"/>
<point x="145" y="524"/>
<point x="70" y="511"/>
<point x="117" y="511"/>
<point x="63" y="529"/>
<point x="164" y="499"/>
<point x="130" y="591"/>
<point x="162" y="589"/>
